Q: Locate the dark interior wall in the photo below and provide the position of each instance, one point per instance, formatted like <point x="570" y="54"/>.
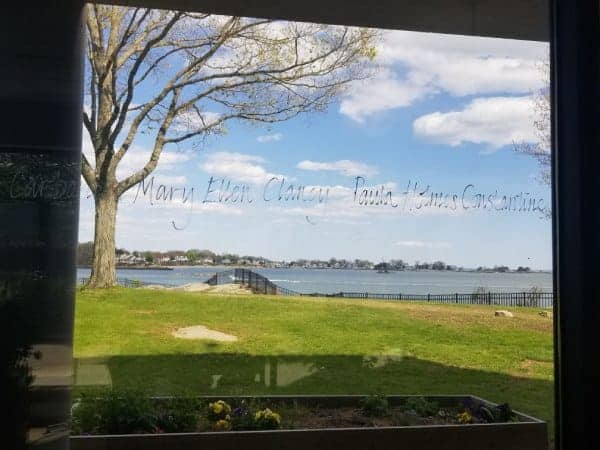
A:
<point x="41" y="76"/>
<point x="511" y="19"/>
<point x="576" y="187"/>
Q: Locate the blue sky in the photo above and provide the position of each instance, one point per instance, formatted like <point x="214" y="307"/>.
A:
<point x="442" y="111"/>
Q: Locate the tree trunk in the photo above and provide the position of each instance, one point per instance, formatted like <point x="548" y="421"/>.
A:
<point x="104" y="262"/>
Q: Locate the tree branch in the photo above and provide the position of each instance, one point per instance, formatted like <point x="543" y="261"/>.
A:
<point x="88" y="174"/>
<point x="133" y="72"/>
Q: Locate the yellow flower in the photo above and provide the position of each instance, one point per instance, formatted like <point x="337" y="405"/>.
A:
<point x="220" y="407"/>
<point x="267" y="418"/>
<point x="222" y="425"/>
<point x="464" y="417"/>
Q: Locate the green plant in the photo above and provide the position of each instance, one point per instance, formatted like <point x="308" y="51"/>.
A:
<point x="242" y="416"/>
<point x="84" y="415"/>
<point x="177" y="415"/>
<point x="117" y="412"/>
<point x="421" y="406"/>
<point x="267" y="419"/>
<point x="375" y="406"/>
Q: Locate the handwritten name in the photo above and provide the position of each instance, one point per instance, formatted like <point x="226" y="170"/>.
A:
<point x="418" y="197"/>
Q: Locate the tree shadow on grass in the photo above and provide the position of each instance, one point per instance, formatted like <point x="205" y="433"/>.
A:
<point x="242" y="374"/>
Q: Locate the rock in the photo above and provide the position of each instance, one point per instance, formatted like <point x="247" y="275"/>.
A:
<point x="547" y="314"/>
<point x="503" y="313"/>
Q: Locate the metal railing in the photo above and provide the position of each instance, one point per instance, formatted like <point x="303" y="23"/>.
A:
<point x="254" y="281"/>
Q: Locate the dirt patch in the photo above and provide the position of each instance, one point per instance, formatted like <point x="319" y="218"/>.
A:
<point x="530" y="367"/>
<point x="194" y="287"/>
<point x="202" y="332"/>
<point x="230" y="289"/>
<point x="218" y="289"/>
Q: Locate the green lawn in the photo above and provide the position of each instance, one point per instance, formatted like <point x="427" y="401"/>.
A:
<point x="313" y="346"/>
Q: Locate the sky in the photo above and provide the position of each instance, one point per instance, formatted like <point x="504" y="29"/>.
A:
<point x="440" y="116"/>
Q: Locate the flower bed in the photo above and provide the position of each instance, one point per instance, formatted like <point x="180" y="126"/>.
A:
<point x="302" y="422"/>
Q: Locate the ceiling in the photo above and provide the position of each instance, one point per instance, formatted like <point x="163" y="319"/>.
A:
<point x="512" y="19"/>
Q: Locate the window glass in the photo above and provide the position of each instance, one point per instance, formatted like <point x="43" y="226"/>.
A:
<point x="296" y="208"/>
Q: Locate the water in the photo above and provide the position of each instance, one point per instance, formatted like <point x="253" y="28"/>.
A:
<point x="329" y="281"/>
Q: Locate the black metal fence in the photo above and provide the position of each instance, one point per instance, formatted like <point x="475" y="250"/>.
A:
<point x="256" y="282"/>
<point x="525" y="299"/>
<point x="262" y="285"/>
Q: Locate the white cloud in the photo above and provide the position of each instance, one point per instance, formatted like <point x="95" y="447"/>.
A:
<point x="416" y="65"/>
<point x="344" y="167"/>
<point x="494" y="121"/>
<point x="383" y="92"/>
<point x="269" y="138"/>
<point x="422" y="244"/>
<point x="237" y="166"/>
<point x="137" y="157"/>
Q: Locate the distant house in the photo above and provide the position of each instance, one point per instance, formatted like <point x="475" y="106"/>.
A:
<point x="123" y="258"/>
<point x="181" y="258"/>
<point x="226" y="262"/>
<point x="207" y="261"/>
<point x="127" y="258"/>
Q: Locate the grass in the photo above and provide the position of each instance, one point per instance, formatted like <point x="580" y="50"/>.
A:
<point x="304" y="345"/>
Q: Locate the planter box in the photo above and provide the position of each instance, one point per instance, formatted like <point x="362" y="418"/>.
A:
<point x="527" y="434"/>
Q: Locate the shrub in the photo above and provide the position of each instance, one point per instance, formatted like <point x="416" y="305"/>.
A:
<point x="375" y="406"/>
<point x="85" y="416"/>
<point x="127" y="412"/>
<point x="534" y="296"/>
<point x="117" y="412"/>
<point x="178" y="415"/>
<point x="480" y="294"/>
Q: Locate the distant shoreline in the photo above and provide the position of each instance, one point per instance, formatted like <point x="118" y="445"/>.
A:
<point x="134" y="267"/>
<point x="236" y="266"/>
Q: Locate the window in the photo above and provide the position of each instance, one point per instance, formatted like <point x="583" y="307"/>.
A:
<point x="334" y="211"/>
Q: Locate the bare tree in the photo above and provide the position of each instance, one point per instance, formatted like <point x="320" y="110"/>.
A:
<point x="540" y="150"/>
<point x="180" y="76"/>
